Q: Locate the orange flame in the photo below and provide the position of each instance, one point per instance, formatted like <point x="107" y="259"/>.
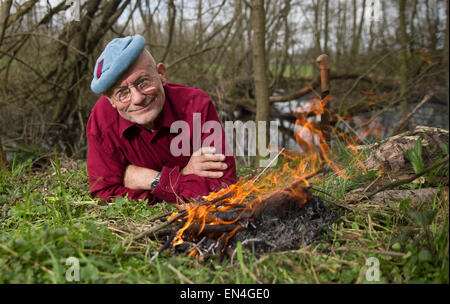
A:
<point x="309" y="134"/>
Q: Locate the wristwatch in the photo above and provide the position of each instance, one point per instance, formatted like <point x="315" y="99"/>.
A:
<point x="155" y="182"/>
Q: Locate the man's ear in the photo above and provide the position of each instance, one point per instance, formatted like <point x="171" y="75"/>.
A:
<point x="109" y="99"/>
<point x="162" y="71"/>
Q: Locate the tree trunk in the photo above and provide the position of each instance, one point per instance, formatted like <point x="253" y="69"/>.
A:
<point x="412" y="29"/>
<point x="317" y="27"/>
<point x="4" y="15"/>
<point x="357" y="28"/>
<point x="371" y="33"/>
<point x="432" y="19"/>
<point x="341" y="33"/>
<point x="199" y="25"/>
<point x="404" y="58"/>
<point x="180" y="35"/>
<point x="354" y="25"/>
<point x="259" y="66"/>
<point x="171" y="15"/>
<point x="325" y="44"/>
<point x="445" y="55"/>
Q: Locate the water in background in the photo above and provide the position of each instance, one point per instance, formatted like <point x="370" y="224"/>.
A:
<point x="433" y="115"/>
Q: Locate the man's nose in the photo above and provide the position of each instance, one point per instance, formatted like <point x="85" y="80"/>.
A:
<point x="136" y="96"/>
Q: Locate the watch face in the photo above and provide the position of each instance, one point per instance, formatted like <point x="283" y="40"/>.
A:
<point x="155" y="183"/>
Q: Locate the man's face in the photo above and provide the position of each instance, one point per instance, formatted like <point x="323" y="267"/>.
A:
<point x="143" y="106"/>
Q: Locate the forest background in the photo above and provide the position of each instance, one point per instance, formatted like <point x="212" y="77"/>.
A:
<point x="257" y="60"/>
<point x="385" y="55"/>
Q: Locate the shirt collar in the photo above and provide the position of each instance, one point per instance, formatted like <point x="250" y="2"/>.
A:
<point x="165" y="118"/>
<point x="124" y="124"/>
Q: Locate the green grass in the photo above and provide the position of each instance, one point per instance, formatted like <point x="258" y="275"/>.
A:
<point x="296" y="70"/>
<point x="48" y="216"/>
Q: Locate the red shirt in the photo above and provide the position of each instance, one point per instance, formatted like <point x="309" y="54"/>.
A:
<point x="115" y="142"/>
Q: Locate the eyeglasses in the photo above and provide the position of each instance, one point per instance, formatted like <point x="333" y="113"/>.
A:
<point x="143" y="85"/>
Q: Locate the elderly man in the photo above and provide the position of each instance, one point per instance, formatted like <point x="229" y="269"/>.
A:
<point x="134" y="141"/>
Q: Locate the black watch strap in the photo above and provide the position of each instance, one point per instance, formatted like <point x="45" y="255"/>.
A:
<point x="155" y="182"/>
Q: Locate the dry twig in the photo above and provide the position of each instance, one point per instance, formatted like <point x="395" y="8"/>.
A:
<point x="159" y="227"/>
<point x="402" y="122"/>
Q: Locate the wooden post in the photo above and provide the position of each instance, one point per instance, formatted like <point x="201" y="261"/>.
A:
<point x="324" y="65"/>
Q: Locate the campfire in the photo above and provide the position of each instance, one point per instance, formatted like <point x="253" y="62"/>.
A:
<point x="282" y="220"/>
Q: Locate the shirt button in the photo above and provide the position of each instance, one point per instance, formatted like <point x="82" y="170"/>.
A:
<point x="167" y="187"/>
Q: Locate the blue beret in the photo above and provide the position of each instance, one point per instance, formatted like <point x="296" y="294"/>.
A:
<point x="117" y="56"/>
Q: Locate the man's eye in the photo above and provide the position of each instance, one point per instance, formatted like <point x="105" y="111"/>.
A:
<point x="121" y="93"/>
<point x="144" y="84"/>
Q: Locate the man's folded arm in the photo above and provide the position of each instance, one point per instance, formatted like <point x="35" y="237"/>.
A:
<point x="176" y="187"/>
<point x="106" y="168"/>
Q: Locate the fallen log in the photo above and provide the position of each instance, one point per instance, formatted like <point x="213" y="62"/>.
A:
<point x="354" y="198"/>
<point x="249" y="103"/>
<point x="391" y="154"/>
<point x="387" y="84"/>
<point x="417" y="196"/>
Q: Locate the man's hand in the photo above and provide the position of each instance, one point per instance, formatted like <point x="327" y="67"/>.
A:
<point x="204" y="163"/>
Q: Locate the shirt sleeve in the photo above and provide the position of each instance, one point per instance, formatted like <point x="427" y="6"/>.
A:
<point x="106" y="167"/>
<point x="175" y="187"/>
